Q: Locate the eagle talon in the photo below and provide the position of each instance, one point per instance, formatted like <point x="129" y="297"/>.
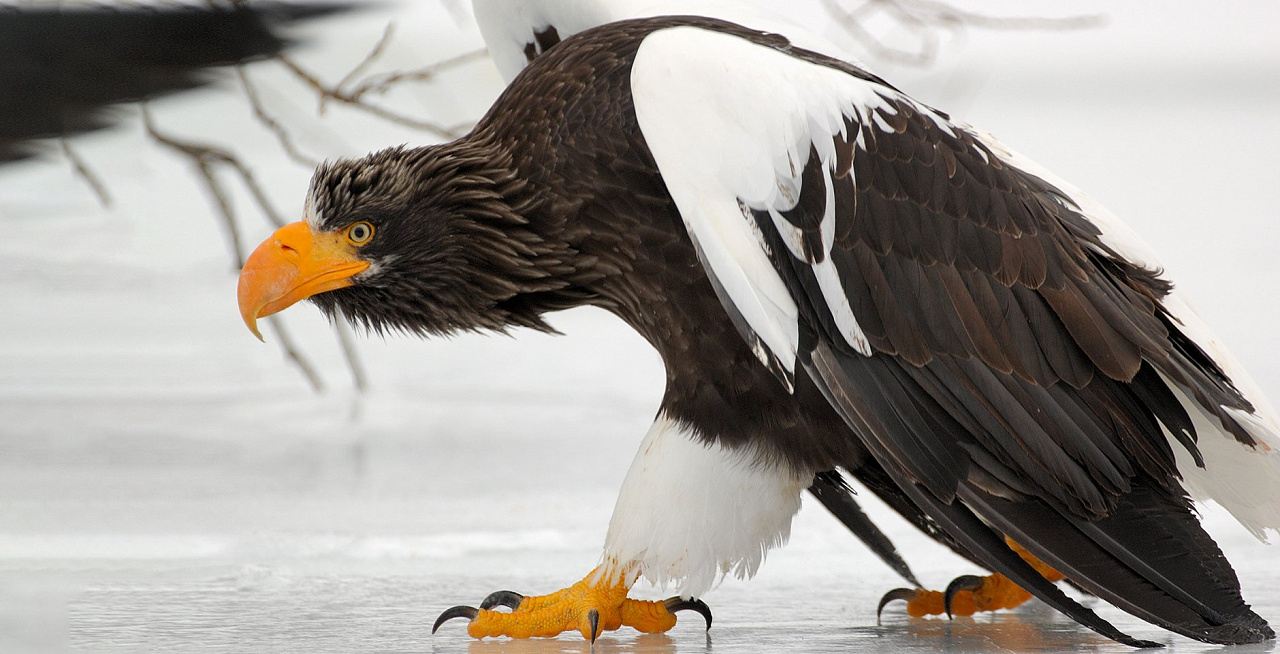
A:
<point x="904" y="594"/>
<point x="969" y="594"/>
<point x="507" y="598"/>
<point x="678" y="603"/>
<point x="970" y="583"/>
<point x="467" y="612"/>
<point x="593" y="616"/>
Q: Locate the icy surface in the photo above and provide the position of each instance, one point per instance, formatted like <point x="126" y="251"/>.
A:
<point x="168" y="484"/>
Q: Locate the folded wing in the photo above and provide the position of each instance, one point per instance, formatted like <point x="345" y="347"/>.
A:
<point x="993" y="339"/>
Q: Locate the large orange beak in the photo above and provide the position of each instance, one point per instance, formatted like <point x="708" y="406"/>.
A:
<point x="294" y="264"/>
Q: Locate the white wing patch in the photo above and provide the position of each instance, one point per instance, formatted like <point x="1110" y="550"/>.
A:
<point x="728" y="139"/>
<point x="825" y="271"/>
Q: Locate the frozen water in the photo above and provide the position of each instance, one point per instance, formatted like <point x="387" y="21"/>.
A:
<point x="168" y="484"/>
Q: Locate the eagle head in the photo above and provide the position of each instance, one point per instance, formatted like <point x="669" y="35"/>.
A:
<point x="417" y="240"/>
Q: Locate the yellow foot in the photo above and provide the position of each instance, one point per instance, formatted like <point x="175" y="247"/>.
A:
<point x="968" y="594"/>
<point x="597" y="604"/>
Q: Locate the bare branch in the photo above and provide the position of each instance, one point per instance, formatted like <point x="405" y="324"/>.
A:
<point x="852" y="22"/>
<point x="378" y="49"/>
<point x="343" y="328"/>
<point x="350" y="90"/>
<point x="292" y="353"/>
<point x="383" y="83"/>
<point x="82" y="169"/>
<point x="203" y="157"/>
<point x="260" y="112"/>
<point x="927" y="18"/>
<point x="931" y="10"/>
<point x="224" y="207"/>
<point x="339" y="95"/>
<point x="255" y="189"/>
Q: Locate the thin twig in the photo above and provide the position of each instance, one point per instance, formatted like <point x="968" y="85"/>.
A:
<point x="852" y="22"/>
<point x="378" y="49"/>
<point x="292" y="353"/>
<point x="383" y="83"/>
<point x="203" y="157"/>
<point x="206" y="155"/>
<point x="925" y="18"/>
<point x="82" y="169"/>
<point x="942" y="13"/>
<point x="255" y="189"/>
<point x="343" y="328"/>
<point x="205" y="166"/>
<point x="354" y="96"/>
<point x="344" y="97"/>
<point x="260" y="112"/>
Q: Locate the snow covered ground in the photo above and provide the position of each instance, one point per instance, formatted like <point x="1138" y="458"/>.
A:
<point x="168" y="484"/>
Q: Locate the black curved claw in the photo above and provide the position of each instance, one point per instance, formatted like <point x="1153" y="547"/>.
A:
<point x="963" y="582"/>
<point x="456" y="612"/>
<point x="678" y="603"/>
<point x="904" y="594"/>
<point x="594" y="617"/>
<point x="507" y="598"/>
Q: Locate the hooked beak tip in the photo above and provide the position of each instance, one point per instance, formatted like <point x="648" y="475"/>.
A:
<point x="251" y="302"/>
<point x="293" y="264"/>
<point x="253" y="328"/>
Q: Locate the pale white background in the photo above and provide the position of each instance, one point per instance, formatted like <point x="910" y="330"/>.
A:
<point x="169" y="484"/>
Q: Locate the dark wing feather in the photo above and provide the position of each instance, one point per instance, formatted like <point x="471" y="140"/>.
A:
<point x="1018" y="367"/>
<point x="1149" y="557"/>
<point x="1027" y="290"/>
<point x="1007" y="369"/>
<point x="977" y="540"/>
<point x="830" y="489"/>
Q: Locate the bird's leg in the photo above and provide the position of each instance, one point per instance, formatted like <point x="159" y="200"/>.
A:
<point x="969" y="594"/>
<point x="592" y="606"/>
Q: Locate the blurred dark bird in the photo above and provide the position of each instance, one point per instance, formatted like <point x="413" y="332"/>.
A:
<point x="61" y="69"/>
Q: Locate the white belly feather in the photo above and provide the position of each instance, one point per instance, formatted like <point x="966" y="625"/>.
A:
<point x="689" y="513"/>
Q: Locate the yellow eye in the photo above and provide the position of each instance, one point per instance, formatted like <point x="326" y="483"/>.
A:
<point x="360" y="233"/>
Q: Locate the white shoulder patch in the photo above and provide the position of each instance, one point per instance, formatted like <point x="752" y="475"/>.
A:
<point x="731" y="125"/>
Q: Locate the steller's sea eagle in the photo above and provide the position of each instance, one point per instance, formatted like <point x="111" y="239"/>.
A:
<point x="835" y="276"/>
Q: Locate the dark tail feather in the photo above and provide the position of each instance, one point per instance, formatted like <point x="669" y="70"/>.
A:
<point x="831" y="490"/>
<point x="875" y="479"/>
<point x="1150" y="557"/>
<point x="994" y="554"/>
<point x="986" y="545"/>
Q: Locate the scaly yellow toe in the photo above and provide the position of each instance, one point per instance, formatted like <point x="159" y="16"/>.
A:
<point x="597" y="604"/>
<point x="971" y="595"/>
